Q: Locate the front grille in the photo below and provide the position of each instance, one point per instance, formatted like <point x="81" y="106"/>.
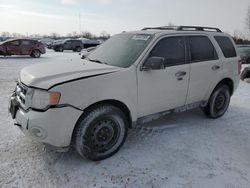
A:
<point x="21" y="91"/>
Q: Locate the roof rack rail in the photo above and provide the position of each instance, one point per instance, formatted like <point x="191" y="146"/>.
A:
<point x="161" y="28"/>
<point x="185" y="28"/>
<point x="198" y="28"/>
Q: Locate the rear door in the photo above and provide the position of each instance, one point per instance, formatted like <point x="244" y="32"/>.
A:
<point x="206" y="67"/>
<point x="13" y="47"/>
<point x="26" y="46"/>
<point x="161" y="90"/>
<point x="67" y="45"/>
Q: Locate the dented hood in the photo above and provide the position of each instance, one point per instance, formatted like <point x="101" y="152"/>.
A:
<point x="46" y="75"/>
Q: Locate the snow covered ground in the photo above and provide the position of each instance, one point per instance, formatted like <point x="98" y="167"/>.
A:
<point x="182" y="150"/>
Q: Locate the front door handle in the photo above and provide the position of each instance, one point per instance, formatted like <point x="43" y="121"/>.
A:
<point x="215" y="67"/>
<point x="180" y="74"/>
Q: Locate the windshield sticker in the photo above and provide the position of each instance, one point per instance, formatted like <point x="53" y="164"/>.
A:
<point x="141" y="37"/>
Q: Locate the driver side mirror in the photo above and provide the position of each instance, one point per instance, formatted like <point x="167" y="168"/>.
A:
<point x="153" y="63"/>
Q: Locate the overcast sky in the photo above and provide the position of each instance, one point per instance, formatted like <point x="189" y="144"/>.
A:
<point x="114" y="16"/>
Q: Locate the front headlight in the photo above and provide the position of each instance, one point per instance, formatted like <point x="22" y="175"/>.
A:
<point x="42" y="99"/>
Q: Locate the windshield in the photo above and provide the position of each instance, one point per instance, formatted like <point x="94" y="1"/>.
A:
<point x="121" y="50"/>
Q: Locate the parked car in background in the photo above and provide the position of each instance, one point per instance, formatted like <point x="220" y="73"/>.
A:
<point x="30" y="47"/>
<point x="86" y="52"/>
<point x="89" y="43"/>
<point x="50" y="45"/>
<point x="245" y="74"/>
<point x="244" y="54"/>
<point x="68" y="44"/>
<point x="46" y="41"/>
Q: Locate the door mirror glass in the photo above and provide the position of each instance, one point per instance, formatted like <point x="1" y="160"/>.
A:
<point x="153" y="63"/>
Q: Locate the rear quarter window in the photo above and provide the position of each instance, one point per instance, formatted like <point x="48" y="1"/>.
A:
<point x="226" y="46"/>
<point x="201" y="49"/>
<point x="26" y="42"/>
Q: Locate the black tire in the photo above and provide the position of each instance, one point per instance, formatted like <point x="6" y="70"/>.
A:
<point x="100" y="133"/>
<point x="60" y="49"/>
<point x="218" y="102"/>
<point x="77" y="49"/>
<point x="35" y="54"/>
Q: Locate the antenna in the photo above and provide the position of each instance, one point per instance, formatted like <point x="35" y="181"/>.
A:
<point x="80" y="24"/>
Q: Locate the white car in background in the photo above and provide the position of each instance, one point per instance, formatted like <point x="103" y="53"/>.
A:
<point x="85" y="52"/>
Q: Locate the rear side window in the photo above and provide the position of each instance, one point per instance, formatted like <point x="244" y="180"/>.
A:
<point x="201" y="49"/>
<point x="172" y="49"/>
<point x="226" y="46"/>
<point x="26" y="42"/>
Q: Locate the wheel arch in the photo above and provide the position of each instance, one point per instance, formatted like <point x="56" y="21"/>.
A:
<point x="226" y="81"/>
<point x="113" y="102"/>
<point x="123" y="107"/>
<point x="1" y="52"/>
<point x="229" y="82"/>
<point x="32" y="50"/>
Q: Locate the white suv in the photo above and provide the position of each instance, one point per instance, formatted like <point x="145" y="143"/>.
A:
<point x="132" y="77"/>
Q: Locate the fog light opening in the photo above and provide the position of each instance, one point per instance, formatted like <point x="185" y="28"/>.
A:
<point x="38" y="132"/>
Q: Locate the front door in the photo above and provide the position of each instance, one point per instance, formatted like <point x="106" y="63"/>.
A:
<point x="164" y="89"/>
<point x="13" y="47"/>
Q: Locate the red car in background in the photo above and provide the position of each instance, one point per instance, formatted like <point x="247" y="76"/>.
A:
<point x="30" y="47"/>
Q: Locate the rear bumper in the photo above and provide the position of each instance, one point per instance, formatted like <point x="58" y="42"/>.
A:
<point x="53" y="127"/>
<point x="236" y="82"/>
<point x="43" y="51"/>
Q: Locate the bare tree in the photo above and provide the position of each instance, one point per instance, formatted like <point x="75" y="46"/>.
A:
<point x="170" y="24"/>
<point x="238" y="34"/>
<point x="86" y="34"/>
<point x="104" y="35"/>
<point x="54" y="35"/>
<point x="5" y="34"/>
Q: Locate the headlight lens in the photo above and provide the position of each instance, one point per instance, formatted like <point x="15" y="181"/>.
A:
<point x="42" y="99"/>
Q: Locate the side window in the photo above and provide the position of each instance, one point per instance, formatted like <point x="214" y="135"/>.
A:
<point x="226" y="46"/>
<point x="67" y="42"/>
<point x="172" y="49"/>
<point x="201" y="49"/>
<point x="14" y="43"/>
<point x="26" y="42"/>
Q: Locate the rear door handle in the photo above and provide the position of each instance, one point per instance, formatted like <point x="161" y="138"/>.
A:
<point x="215" y="67"/>
<point x="180" y="74"/>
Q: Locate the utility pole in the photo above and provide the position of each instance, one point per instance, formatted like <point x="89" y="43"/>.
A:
<point x="80" y="25"/>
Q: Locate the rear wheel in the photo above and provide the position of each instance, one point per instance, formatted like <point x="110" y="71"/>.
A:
<point x="35" y="54"/>
<point x="78" y="49"/>
<point x="101" y="132"/>
<point x="218" y="102"/>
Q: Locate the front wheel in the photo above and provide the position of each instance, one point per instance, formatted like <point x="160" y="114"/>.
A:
<point x="101" y="132"/>
<point x="60" y="49"/>
<point x="218" y="102"/>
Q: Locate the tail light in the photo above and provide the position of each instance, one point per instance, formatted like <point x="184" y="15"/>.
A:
<point x="239" y="66"/>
